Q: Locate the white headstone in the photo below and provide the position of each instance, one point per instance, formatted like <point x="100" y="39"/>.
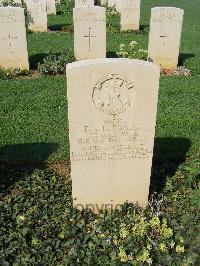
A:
<point x="37" y="15"/>
<point x="89" y="32"/>
<point x="51" y="7"/>
<point x="165" y="36"/>
<point x="112" y="107"/>
<point x="13" y="48"/>
<point x="130" y="14"/>
<point x="80" y="3"/>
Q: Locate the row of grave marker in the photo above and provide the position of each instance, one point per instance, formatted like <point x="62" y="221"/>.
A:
<point x="89" y="34"/>
<point x="38" y="10"/>
<point x="37" y="5"/>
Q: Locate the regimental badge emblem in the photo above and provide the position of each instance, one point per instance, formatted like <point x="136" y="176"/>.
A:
<point x="113" y="94"/>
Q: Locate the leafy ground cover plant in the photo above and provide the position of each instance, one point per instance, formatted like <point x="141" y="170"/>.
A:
<point x="12" y="73"/>
<point x="112" y="28"/>
<point x="39" y="225"/>
<point x="55" y="63"/>
<point x="65" y="7"/>
<point x="111" y="11"/>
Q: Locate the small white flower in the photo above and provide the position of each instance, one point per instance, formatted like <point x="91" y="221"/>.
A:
<point x="122" y="45"/>
<point x="133" y="43"/>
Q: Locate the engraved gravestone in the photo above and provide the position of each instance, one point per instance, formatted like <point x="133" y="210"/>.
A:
<point x="37" y="15"/>
<point x="51" y="7"/>
<point x="165" y="36"/>
<point x="13" y="48"/>
<point x="79" y="3"/>
<point x="89" y="32"/>
<point x="112" y="131"/>
<point x="130" y="14"/>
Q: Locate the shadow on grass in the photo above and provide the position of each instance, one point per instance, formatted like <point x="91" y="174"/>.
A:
<point x="35" y="59"/>
<point x="183" y="57"/>
<point x="111" y="54"/>
<point x="169" y="153"/>
<point x="60" y="12"/>
<point x="144" y="28"/>
<point x="19" y="160"/>
<point x="61" y="27"/>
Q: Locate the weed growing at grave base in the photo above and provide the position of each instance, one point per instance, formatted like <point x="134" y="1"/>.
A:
<point x="132" y="50"/>
<point x="55" y="63"/>
<point x="111" y="11"/>
<point x="112" y="28"/>
<point x="5" y="74"/>
<point x="39" y="225"/>
<point x="12" y="73"/>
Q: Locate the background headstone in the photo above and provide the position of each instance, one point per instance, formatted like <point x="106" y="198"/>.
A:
<point x="51" y="7"/>
<point x="37" y="15"/>
<point x="89" y="32"/>
<point x="130" y="14"/>
<point x="13" y="48"/>
<point x="165" y="36"/>
<point x="112" y="105"/>
<point x="79" y="3"/>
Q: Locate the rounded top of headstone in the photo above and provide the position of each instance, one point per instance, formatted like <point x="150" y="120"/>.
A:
<point x="113" y="61"/>
<point x="14" y="8"/>
<point x="167" y="8"/>
<point x="89" y="7"/>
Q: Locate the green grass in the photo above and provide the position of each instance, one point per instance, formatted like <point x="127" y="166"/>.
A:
<point x="34" y="110"/>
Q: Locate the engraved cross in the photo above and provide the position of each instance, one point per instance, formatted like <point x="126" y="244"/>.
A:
<point x="165" y="37"/>
<point x="10" y="38"/>
<point x="90" y="36"/>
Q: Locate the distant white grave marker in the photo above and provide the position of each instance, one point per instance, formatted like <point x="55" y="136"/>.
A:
<point x="165" y="36"/>
<point x="13" y="48"/>
<point x="51" y="7"/>
<point x="81" y="3"/>
<point x="89" y="32"/>
<point x="130" y="14"/>
<point x="37" y="15"/>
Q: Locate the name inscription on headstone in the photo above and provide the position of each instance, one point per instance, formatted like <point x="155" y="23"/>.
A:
<point x="115" y="139"/>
